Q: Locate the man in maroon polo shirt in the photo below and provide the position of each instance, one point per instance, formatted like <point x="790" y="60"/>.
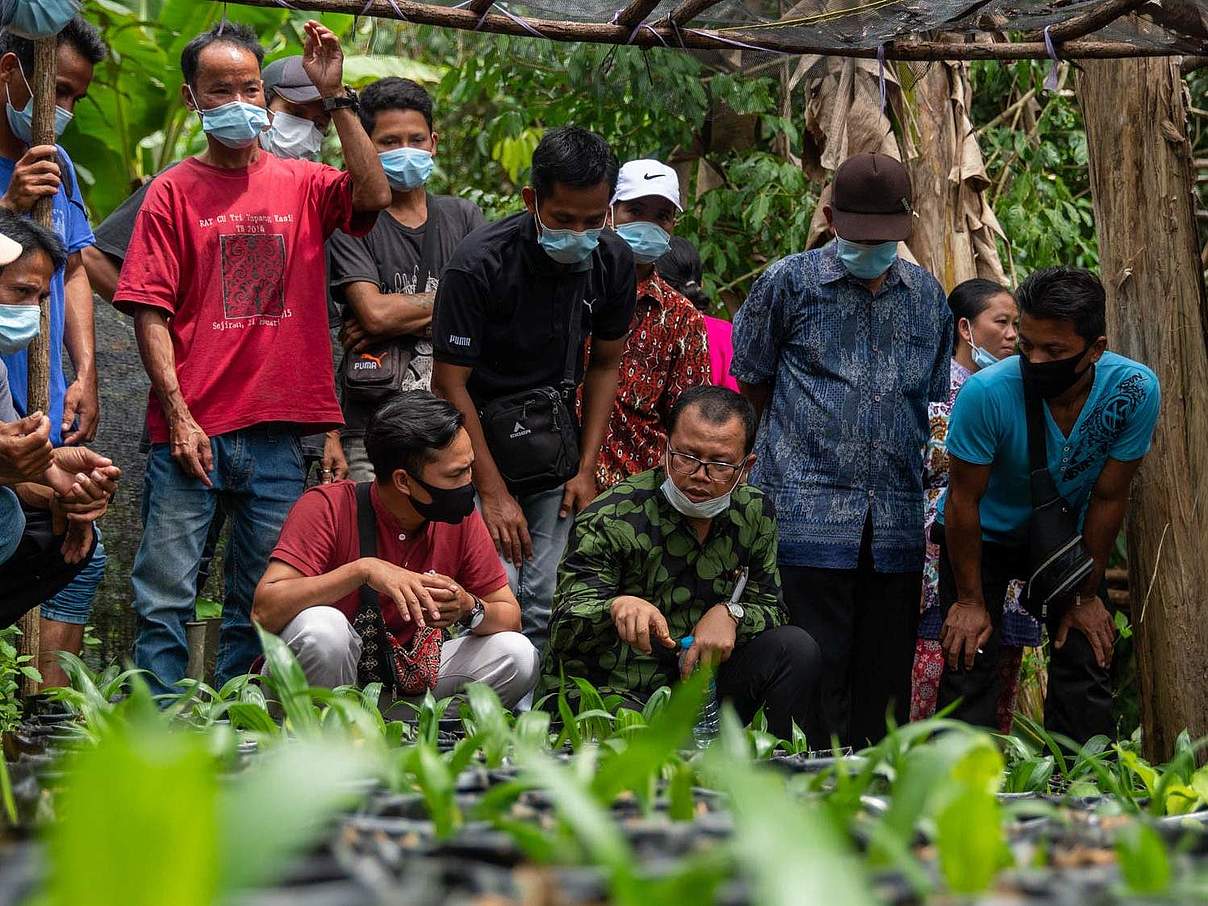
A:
<point x="435" y="566"/>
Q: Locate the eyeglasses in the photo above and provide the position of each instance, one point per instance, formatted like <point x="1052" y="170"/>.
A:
<point x="686" y="464"/>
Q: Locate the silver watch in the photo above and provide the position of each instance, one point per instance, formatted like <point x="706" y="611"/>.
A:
<point x="477" y="614"/>
<point x="737" y="612"/>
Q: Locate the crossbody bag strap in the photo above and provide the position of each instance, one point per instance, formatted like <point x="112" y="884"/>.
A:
<point x="1044" y="489"/>
<point x="430" y="247"/>
<point x="574" y="346"/>
<point x="367" y="534"/>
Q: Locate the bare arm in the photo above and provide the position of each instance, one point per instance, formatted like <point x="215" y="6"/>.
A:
<point x="389" y="314"/>
<point x="1105" y="515"/>
<point x="79" y="335"/>
<point x="502" y="612"/>
<point x="102" y="272"/>
<point x="284" y="592"/>
<point x="967" y="625"/>
<point x="370" y="191"/>
<point x="758" y="394"/>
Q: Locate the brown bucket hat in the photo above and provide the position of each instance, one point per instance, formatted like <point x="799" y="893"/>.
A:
<point x="871" y="199"/>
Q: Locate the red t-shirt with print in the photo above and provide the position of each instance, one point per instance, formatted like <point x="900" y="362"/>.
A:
<point x="320" y="535"/>
<point x="236" y="259"/>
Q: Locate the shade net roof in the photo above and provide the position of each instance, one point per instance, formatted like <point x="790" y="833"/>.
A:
<point x="1179" y="26"/>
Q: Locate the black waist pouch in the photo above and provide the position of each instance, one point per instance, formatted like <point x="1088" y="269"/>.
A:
<point x="533" y="438"/>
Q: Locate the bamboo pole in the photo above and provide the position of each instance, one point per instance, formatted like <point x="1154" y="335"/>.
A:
<point x="43" y="87"/>
<point x="662" y="35"/>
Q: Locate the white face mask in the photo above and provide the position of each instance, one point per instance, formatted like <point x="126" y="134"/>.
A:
<point x="685" y="505"/>
<point x="292" y="137"/>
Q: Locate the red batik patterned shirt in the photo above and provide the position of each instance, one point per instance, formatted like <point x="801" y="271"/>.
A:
<point x="666" y="353"/>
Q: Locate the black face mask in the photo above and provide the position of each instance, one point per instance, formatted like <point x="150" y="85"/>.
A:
<point x="1051" y="379"/>
<point x="449" y="505"/>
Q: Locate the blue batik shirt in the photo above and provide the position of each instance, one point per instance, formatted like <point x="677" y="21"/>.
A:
<point x="71" y="226"/>
<point x="845" y="429"/>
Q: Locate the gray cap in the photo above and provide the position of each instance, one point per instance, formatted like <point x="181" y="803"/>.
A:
<point x="287" y="78"/>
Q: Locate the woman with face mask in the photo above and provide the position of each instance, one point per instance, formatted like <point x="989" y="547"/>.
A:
<point x="984" y="317"/>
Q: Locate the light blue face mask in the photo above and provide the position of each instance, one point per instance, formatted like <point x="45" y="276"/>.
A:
<point x="407" y="168"/>
<point x="237" y="124"/>
<point x="38" y="18"/>
<point x="649" y="241"/>
<point x="22" y="121"/>
<point x="866" y="262"/>
<point x="19" y="324"/>
<point x="981" y="358"/>
<point x="568" y="246"/>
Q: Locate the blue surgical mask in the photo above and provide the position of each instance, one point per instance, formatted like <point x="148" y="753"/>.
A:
<point x="981" y="358"/>
<point x="22" y="121"/>
<point x="568" y="246"/>
<point x="36" y="19"/>
<point x="406" y="168"/>
<point x="866" y="262"/>
<point x="19" y="324"/>
<point x="649" y="241"/>
<point x="236" y="124"/>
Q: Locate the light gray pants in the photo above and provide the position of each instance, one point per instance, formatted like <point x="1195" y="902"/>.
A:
<point x="534" y="582"/>
<point x="328" y="649"/>
<point x="359" y="466"/>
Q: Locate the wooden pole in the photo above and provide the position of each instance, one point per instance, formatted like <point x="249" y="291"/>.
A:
<point x="660" y="34"/>
<point x="43" y="87"/>
<point x="1141" y="170"/>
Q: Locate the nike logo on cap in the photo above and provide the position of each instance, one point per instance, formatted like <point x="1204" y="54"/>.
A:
<point x="652" y="176"/>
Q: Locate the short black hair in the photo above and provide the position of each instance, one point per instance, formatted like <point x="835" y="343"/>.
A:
<point x="78" y="32"/>
<point x="407" y="432"/>
<point x="1066" y="294"/>
<point x="716" y="405"/>
<point x="224" y="32"/>
<point x="682" y="268"/>
<point x="393" y="93"/>
<point x="573" y="157"/>
<point x="969" y="299"/>
<point x="33" y="237"/>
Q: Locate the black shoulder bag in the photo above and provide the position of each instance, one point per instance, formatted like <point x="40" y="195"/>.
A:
<point x="1058" y="561"/>
<point x="404" y="668"/>
<point x="533" y="435"/>
<point x="376" y="373"/>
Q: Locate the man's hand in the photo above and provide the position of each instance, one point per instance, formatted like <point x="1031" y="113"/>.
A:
<point x="190" y="448"/>
<point x="335" y="465"/>
<point x="713" y="640"/>
<point x="77" y="542"/>
<point x="353" y="337"/>
<point x="1093" y="621"/>
<point x="83" y="480"/>
<point x="25" y="451"/>
<point x="966" y="629"/>
<point x="408" y="590"/>
<point x="508" y="527"/>
<point x="82" y="400"/>
<point x="452" y="601"/>
<point x="638" y="622"/>
<point x="36" y="175"/>
<point x="578" y="493"/>
<point x="323" y="59"/>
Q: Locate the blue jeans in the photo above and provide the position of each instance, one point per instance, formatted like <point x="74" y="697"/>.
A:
<point x="74" y="603"/>
<point x="257" y="475"/>
<point x="534" y="582"/>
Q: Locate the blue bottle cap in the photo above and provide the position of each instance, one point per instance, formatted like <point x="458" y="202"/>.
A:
<point x="686" y="642"/>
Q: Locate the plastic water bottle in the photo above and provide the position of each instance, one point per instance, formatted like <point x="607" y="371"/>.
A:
<point x="708" y="723"/>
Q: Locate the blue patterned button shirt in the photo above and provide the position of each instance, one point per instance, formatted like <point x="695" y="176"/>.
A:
<point x="846" y="425"/>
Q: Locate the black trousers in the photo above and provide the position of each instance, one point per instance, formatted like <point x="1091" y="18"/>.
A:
<point x="864" y="623"/>
<point x="778" y="670"/>
<point x="1079" y="700"/>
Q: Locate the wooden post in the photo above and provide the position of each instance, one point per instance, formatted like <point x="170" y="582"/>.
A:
<point x="1141" y="178"/>
<point x="43" y="87"/>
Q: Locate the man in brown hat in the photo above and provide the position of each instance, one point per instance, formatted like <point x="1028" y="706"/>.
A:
<point x="841" y="348"/>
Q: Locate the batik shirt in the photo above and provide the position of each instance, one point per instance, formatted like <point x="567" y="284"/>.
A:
<point x="1018" y="627"/>
<point x="843" y="435"/>
<point x="665" y="354"/>
<point x="631" y="541"/>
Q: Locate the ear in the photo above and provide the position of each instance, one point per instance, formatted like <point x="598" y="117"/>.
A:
<point x="965" y="333"/>
<point x="186" y="93"/>
<point x="435" y="142"/>
<point x="829" y="215"/>
<point x="1098" y="348"/>
<point x="398" y="478"/>
<point x="9" y="64"/>
<point x="530" y="199"/>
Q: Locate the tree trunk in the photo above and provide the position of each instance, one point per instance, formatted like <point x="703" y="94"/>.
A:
<point x="1141" y="177"/>
<point x="43" y="87"/>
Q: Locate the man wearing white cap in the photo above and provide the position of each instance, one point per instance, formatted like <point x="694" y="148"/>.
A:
<point x="667" y="349"/>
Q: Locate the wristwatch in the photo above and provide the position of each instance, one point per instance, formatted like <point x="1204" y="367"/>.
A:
<point x="347" y="100"/>
<point x="477" y="614"/>
<point x="736" y="610"/>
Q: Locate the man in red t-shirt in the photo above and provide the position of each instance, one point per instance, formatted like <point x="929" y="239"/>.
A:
<point x="225" y="277"/>
<point x="436" y="564"/>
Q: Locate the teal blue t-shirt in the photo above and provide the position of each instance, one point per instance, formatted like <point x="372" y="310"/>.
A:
<point x="989" y="427"/>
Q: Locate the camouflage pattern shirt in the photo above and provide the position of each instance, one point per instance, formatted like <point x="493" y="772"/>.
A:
<point x="631" y="541"/>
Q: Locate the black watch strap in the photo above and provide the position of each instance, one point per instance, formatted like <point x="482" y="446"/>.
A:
<point x="347" y="100"/>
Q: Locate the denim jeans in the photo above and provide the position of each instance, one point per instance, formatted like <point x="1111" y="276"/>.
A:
<point x="74" y="603"/>
<point x="533" y="583"/>
<point x="257" y="476"/>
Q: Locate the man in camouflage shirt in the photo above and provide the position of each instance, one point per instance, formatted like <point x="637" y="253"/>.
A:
<point x="658" y="557"/>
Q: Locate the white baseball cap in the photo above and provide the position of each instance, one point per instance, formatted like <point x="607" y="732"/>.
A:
<point x="640" y="178"/>
<point x="10" y="250"/>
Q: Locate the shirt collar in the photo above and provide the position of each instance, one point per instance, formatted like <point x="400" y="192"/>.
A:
<point x="655" y="288"/>
<point x="389" y="522"/>
<point x="832" y="269"/>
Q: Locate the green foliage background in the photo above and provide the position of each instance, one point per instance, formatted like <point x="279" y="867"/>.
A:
<point x="494" y="96"/>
